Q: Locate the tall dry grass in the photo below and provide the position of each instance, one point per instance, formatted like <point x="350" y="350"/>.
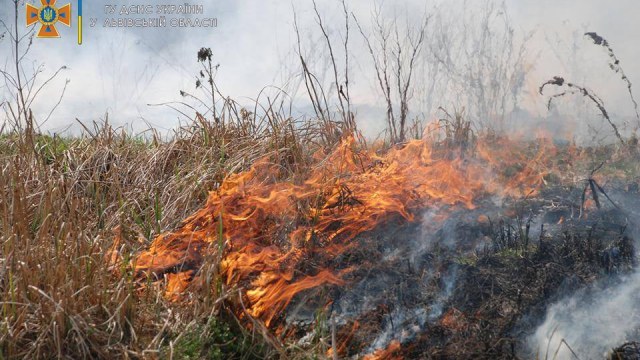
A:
<point x="63" y="201"/>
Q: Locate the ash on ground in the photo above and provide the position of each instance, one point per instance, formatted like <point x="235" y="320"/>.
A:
<point x="474" y="283"/>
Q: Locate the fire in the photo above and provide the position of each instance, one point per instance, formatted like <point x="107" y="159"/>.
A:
<point x="454" y="319"/>
<point x="390" y="353"/>
<point x="276" y="236"/>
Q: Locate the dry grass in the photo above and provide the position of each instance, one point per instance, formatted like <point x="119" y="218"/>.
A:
<point x="62" y="201"/>
<point x="68" y="204"/>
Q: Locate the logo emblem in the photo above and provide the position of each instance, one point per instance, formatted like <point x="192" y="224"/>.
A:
<point x="48" y="15"/>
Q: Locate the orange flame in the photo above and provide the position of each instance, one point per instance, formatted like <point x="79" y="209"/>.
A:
<point x="276" y="237"/>
<point x="390" y="353"/>
<point x="454" y="319"/>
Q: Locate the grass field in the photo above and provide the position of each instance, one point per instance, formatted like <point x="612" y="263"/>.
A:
<point x="287" y="216"/>
<point x="65" y="200"/>
<point x="75" y="211"/>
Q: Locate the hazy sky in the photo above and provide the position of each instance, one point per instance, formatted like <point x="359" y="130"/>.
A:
<point x="120" y="71"/>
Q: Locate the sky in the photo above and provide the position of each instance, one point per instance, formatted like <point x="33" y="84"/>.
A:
<point x="127" y="72"/>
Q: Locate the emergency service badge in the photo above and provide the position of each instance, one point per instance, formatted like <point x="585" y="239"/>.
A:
<point x="48" y="15"/>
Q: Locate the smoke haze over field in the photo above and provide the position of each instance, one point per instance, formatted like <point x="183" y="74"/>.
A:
<point x="121" y="71"/>
<point x="411" y="224"/>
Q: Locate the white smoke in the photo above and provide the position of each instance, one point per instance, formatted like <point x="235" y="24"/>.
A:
<point x="590" y="324"/>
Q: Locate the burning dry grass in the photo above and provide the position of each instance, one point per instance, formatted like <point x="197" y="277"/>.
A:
<point x="62" y="199"/>
<point x="280" y="206"/>
<point x="269" y="229"/>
